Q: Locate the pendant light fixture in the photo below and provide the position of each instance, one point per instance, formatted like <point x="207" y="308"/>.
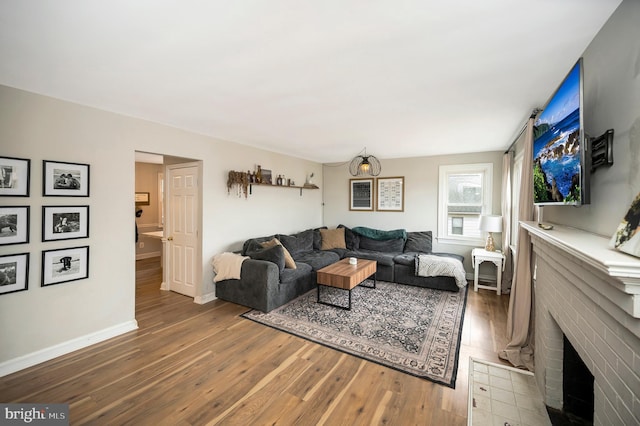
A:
<point x="363" y="165"/>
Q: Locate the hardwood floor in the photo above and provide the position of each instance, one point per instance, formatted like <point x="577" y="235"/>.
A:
<point x="190" y="364"/>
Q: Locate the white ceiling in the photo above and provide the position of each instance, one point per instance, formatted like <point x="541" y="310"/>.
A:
<point x="318" y="80"/>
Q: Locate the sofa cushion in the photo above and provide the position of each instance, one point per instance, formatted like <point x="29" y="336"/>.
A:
<point x="418" y="242"/>
<point x="317" y="238"/>
<point x="407" y="259"/>
<point x="351" y="239"/>
<point x="318" y="259"/>
<point x="380" y="257"/>
<point x="297" y="243"/>
<point x="288" y="260"/>
<point x="332" y="238"/>
<point x="273" y="254"/>
<point x="254" y="244"/>
<point x="395" y="245"/>
<point x="290" y="275"/>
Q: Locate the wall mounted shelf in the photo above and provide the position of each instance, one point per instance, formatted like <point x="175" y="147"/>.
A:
<point x="280" y="186"/>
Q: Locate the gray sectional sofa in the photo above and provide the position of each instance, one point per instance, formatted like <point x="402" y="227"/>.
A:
<point x="267" y="282"/>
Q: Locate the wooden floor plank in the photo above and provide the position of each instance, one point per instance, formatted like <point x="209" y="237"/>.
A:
<point x="190" y="364"/>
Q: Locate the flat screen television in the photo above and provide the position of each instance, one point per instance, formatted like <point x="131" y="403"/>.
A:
<point x="560" y="153"/>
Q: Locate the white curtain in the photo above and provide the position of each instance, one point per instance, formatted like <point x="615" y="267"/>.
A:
<point x="507" y="275"/>
<point x="520" y="327"/>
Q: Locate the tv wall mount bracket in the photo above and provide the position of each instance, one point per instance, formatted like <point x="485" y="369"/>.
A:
<point x="602" y="150"/>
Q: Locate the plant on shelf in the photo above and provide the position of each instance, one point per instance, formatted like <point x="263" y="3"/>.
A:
<point x="240" y="180"/>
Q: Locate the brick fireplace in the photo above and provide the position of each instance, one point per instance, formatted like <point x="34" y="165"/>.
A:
<point x="590" y="294"/>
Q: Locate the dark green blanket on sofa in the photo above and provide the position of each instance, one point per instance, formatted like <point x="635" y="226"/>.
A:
<point x="377" y="234"/>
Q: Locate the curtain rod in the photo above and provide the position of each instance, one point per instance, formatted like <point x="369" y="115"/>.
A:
<point x="535" y="112"/>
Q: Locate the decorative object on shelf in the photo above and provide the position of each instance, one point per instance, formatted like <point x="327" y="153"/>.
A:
<point x="363" y="165"/>
<point x="490" y="224"/>
<point x="240" y="180"/>
<point x="390" y="194"/>
<point x="14" y="273"/>
<point x="14" y="177"/>
<point x="266" y="177"/>
<point x="258" y="178"/>
<point x="61" y="179"/>
<point x="14" y="225"/>
<point x="309" y="182"/>
<point x="65" y="222"/>
<point x="64" y="265"/>
<point x="361" y="194"/>
<point x="627" y="236"/>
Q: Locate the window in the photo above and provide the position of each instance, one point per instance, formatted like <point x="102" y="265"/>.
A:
<point x="465" y="194"/>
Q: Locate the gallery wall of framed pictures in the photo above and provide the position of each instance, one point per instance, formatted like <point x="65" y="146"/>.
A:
<point x="384" y="194"/>
<point x="60" y="222"/>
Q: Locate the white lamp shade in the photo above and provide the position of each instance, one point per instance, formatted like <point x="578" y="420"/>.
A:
<point x="491" y="223"/>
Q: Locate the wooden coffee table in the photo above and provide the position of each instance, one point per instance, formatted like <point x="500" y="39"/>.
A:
<point x="346" y="276"/>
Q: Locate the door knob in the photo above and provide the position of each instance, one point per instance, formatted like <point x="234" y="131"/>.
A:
<point x="170" y="239"/>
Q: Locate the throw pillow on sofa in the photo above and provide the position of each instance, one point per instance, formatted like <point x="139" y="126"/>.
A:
<point x="288" y="260"/>
<point x="418" y="241"/>
<point x="351" y="239"/>
<point x="332" y="238"/>
<point x="273" y="254"/>
<point x="302" y="242"/>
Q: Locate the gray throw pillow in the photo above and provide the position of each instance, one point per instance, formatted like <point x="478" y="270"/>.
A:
<point x="418" y="241"/>
<point x="273" y="254"/>
<point x="351" y="239"/>
<point x="301" y="242"/>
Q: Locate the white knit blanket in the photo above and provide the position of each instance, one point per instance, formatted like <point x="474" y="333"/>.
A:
<point x="227" y="266"/>
<point x="440" y="266"/>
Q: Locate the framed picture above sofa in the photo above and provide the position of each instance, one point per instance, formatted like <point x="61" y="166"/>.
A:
<point x="361" y="194"/>
<point x="390" y="194"/>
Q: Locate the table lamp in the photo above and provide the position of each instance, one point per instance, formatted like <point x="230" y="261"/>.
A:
<point x="490" y="224"/>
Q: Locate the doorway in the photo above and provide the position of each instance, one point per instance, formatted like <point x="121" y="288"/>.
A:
<point x="168" y="227"/>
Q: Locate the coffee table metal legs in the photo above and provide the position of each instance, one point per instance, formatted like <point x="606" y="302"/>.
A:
<point x="346" y="308"/>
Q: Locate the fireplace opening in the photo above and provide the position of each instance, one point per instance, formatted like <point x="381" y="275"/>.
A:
<point x="577" y="390"/>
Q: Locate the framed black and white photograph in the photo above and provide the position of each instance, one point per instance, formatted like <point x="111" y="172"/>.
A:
<point x="64" y="265"/>
<point x="14" y="177"/>
<point x="361" y="194"/>
<point x="390" y="194"/>
<point x="14" y="273"/>
<point x="60" y="179"/>
<point x="65" y="222"/>
<point x="14" y="225"/>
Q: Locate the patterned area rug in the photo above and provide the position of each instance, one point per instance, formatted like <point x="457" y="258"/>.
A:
<point x="412" y="329"/>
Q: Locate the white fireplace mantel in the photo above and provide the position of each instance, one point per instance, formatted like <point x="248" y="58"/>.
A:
<point x="622" y="270"/>
<point x="589" y="293"/>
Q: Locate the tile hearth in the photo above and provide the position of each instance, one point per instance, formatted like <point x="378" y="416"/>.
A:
<point x="501" y="395"/>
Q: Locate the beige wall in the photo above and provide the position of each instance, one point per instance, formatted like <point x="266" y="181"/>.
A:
<point x="38" y="128"/>
<point x="421" y="196"/>
<point x="611" y="100"/>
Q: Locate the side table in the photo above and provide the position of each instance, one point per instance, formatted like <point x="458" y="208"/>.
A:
<point x="479" y="255"/>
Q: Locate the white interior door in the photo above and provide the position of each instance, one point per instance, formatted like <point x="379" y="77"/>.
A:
<point x="182" y="238"/>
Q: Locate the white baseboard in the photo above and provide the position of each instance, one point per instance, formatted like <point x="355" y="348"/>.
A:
<point x="205" y="298"/>
<point x="29" y="360"/>
<point x="148" y="255"/>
